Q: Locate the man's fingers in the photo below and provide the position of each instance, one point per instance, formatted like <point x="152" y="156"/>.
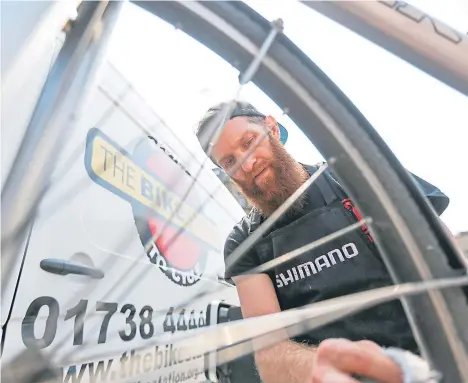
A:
<point x="326" y="373"/>
<point x="369" y="345"/>
<point x="360" y="359"/>
<point x="333" y="376"/>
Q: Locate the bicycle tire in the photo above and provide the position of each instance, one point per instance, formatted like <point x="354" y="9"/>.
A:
<point x="407" y="228"/>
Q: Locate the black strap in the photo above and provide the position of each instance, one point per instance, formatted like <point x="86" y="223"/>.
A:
<point x="325" y="189"/>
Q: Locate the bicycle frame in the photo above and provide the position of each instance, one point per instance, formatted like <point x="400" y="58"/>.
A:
<point x="409" y="33"/>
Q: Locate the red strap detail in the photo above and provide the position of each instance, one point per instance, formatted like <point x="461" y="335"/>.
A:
<point x="347" y="203"/>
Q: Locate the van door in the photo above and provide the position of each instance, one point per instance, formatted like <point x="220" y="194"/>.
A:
<point x="90" y="293"/>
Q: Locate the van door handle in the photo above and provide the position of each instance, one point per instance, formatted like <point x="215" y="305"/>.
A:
<point x="62" y="267"/>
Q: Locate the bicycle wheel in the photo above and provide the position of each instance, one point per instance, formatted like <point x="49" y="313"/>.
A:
<point x="408" y="230"/>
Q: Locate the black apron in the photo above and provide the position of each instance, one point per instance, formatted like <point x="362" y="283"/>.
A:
<point x="343" y="266"/>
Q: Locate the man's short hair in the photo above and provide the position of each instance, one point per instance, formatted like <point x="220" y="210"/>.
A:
<point x="213" y="118"/>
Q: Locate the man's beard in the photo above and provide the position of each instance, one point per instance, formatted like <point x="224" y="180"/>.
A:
<point x="289" y="175"/>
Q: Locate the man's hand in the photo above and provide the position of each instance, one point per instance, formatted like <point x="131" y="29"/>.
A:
<point x="333" y="361"/>
<point x="336" y="360"/>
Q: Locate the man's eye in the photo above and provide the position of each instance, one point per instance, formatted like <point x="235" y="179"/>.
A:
<point x="229" y="163"/>
<point x="249" y="142"/>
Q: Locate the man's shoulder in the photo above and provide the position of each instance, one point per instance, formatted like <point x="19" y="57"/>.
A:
<point x="313" y="168"/>
<point x="247" y="225"/>
<point x="239" y="233"/>
<point x="328" y="174"/>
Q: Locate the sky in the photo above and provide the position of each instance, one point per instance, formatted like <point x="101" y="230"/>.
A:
<point x="422" y="120"/>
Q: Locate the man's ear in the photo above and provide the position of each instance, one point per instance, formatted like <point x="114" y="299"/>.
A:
<point x="272" y="125"/>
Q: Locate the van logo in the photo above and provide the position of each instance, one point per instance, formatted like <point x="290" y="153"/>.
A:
<point x="176" y="237"/>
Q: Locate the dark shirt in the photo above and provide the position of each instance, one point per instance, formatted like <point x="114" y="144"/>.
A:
<point x="389" y="314"/>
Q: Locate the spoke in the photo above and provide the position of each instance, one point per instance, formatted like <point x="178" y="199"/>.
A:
<point x="286" y="257"/>
<point x="215" y="128"/>
<point x="161" y="122"/>
<point x="256" y="333"/>
<point x="149" y="243"/>
<point x="303" y="249"/>
<point x="263" y="333"/>
<point x="43" y="131"/>
<point x="69" y="194"/>
<point x="60" y="103"/>
<point x="211" y="195"/>
<point x="245" y="246"/>
<point x="102" y="120"/>
<point x="277" y="25"/>
<point x="404" y="301"/>
<point x="230" y="261"/>
<point x="239" y="252"/>
<point x="248" y="75"/>
<point x="81" y="185"/>
<point x="109" y="263"/>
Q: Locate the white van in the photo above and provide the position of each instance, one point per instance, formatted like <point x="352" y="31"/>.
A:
<point x="90" y="286"/>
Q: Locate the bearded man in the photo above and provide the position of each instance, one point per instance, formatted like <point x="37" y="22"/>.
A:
<point x="250" y="149"/>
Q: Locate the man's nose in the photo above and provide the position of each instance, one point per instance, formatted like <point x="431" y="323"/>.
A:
<point x="248" y="163"/>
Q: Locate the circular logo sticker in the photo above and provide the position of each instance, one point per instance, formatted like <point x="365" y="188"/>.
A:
<point x="175" y="236"/>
